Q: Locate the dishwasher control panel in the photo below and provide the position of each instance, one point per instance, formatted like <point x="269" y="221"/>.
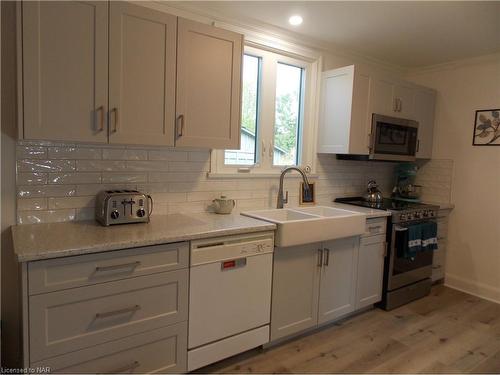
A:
<point x="231" y="247"/>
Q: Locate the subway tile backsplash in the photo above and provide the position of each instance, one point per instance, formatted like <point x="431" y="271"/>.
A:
<point x="58" y="182"/>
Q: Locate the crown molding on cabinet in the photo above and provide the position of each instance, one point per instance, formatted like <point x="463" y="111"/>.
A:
<point x="270" y="36"/>
<point x="455" y="64"/>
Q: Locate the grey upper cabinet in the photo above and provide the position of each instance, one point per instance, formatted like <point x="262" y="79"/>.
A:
<point x="338" y="278"/>
<point x="295" y="289"/>
<point x="142" y="57"/>
<point x="208" y="86"/>
<point x="65" y="70"/>
<point x="424" y="107"/>
<point x="157" y="62"/>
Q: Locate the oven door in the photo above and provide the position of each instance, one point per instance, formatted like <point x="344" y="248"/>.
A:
<point x="393" y="138"/>
<point x="403" y="270"/>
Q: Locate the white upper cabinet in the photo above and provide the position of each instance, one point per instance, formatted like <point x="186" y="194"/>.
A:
<point x="403" y="98"/>
<point x="157" y="64"/>
<point x="382" y="100"/>
<point x="351" y="95"/>
<point x="142" y="59"/>
<point x="424" y="107"/>
<point x="208" y="86"/>
<point x="65" y="70"/>
<point x="344" y="121"/>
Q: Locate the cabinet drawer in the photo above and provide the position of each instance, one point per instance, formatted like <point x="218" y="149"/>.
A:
<point x="74" y="319"/>
<point x="375" y="226"/>
<point x="161" y="350"/>
<point x="82" y="270"/>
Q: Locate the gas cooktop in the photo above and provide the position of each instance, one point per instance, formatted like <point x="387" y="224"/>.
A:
<point x="402" y="211"/>
<point x="386" y="204"/>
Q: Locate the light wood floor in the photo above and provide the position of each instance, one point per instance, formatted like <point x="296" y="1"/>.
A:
<point x="448" y="331"/>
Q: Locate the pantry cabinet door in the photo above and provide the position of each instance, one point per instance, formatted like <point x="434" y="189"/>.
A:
<point x="65" y="70"/>
<point x="337" y="294"/>
<point x="142" y="60"/>
<point x="424" y="105"/>
<point x="209" y="64"/>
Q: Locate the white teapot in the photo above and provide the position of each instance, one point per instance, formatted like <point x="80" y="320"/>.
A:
<point x="223" y="205"/>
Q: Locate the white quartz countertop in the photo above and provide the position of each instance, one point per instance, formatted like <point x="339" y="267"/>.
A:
<point x="53" y="240"/>
<point x="369" y="212"/>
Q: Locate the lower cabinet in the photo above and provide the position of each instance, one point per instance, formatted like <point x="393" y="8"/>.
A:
<point x="312" y="284"/>
<point x="337" y="292"/>
<point x="296" y="276"/>
<point x="121" y="311"/>
<point x="372" y="251"/>
<point x="318" y="283"/>
<point x="161" y="350"/>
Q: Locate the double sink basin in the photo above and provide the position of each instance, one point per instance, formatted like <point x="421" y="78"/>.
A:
<point x="298" y="226"/>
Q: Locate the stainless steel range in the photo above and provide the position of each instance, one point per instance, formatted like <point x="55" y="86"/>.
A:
<point x="405" y="278"/>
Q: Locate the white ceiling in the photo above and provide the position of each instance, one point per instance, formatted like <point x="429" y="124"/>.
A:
<point x="405" y="33"/>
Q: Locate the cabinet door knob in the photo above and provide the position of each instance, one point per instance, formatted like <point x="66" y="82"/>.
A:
<point x="99" y="125"/>
<point x="327" y="257"/>
<point x="180" y="126"/>
<point x="320" y="257"/>
<point x="114" y="112"/>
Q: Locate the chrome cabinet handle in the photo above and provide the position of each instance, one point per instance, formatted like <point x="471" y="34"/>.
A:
<point x="180" y="126"/>
<point x="400" y="229"/>
<point x="385" y="249"/>
<point x="117" y="266"/>
<point x="320" y="257"/>
<point x="395" y="105"/>
<point x="418" y="145"/>
<point x="117" y="312"/>
<point x="99" y="128"/>
<point x="374" y="228"/>
<point x="130" y="366"/>
<point x="114" y="112"/>
<point x="327" y="257"/>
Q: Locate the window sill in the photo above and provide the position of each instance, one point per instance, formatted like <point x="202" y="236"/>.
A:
<point x="221" y="176"/>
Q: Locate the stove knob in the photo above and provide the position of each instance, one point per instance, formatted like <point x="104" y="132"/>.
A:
<point x="402" y="217"/>
<point x="141" y="212"/>
<point x="426" y="213"/>
<point x="115" y="215"/>
<point x="431" y="213"/>
<point x="409" y="216"/>
<point x="417" y="215"/>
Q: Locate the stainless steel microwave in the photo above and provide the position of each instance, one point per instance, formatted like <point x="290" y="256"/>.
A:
<point x="393" y="138"/>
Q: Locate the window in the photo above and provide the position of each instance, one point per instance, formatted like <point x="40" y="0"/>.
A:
<point x="278" y="97"/>
<point x="287" y="114"/>
<point x="246" y="155"/>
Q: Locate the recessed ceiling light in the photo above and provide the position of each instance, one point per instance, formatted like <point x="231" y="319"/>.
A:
<point x="295" y="20"/>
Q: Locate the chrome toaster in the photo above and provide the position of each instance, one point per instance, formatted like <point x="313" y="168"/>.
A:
<point x="122" y="207"/>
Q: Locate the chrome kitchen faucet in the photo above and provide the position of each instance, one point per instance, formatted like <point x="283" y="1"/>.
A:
<point x="284" y="199"/>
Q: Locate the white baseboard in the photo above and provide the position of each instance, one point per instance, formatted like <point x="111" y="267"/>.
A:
<point x="475" y="288"/>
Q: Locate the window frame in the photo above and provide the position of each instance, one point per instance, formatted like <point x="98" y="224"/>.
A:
<point x="265" y="133"/>
<point x="257" y="117"/>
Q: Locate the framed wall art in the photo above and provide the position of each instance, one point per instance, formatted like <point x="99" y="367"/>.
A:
<point x="486" y="128"/>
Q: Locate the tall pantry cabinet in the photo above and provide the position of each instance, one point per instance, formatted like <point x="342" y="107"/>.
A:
<point x="167" y="81"/>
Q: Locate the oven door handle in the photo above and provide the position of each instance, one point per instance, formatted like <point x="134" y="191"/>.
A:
<point x="400" y="229"/>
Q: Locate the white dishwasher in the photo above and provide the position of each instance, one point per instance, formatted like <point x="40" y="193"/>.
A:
<point x="229" y="296"/>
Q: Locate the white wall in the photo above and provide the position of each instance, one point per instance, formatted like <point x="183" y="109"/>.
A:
<point x="473" y="259"/>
